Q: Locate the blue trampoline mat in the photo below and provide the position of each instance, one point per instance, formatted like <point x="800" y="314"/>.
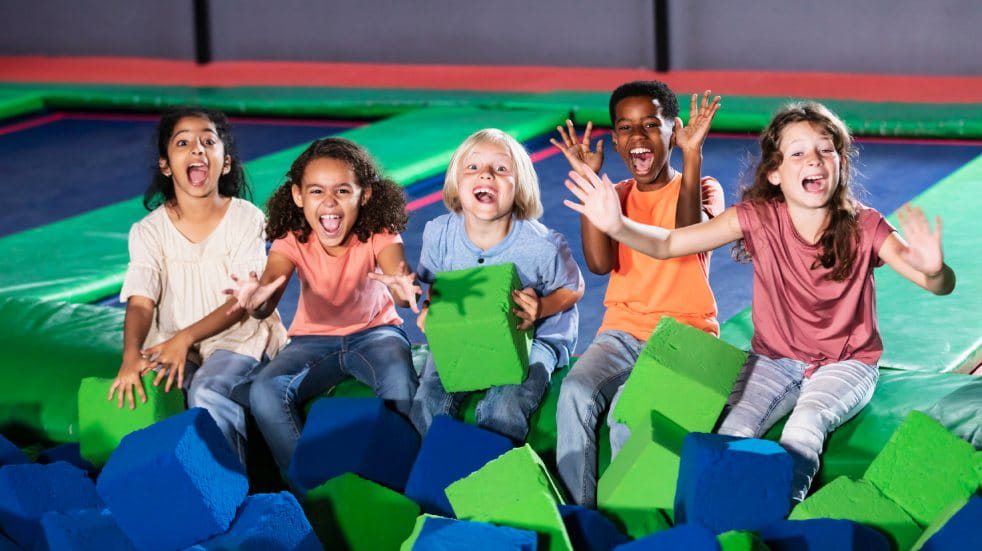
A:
<point x="82" y="161"/>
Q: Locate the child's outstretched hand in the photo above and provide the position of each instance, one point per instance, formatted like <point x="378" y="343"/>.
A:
<point x="403" y="285"/>
<point x="249" y="294"/>
<point x="923" y="245"/>
<point x="578" y="152"/>
<point x="599" y="201"/>
<point x="171" y="355"/>
<point x="129" y="378"/>
<point x="529" y="307"/>
<point x="691" y="138"/>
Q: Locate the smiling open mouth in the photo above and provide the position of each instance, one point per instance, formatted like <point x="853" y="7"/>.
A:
<point x="197" y="174"/>
<point x="813" y="184"/>
<point x="331" y="223"/>
<point x="485" y="195"/>
<point x="641" y="159"/>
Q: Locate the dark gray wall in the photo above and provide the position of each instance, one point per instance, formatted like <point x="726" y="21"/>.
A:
<point x="876" y="36"/>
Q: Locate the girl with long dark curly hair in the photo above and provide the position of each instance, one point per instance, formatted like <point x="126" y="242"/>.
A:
<point x="816" y="345"/>
<point x="336" y="221"/>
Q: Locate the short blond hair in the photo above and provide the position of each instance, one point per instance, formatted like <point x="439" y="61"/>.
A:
<point x="528" y="204"/>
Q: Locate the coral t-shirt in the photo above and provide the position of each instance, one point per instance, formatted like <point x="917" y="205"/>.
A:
<point x="336" y="296"/>
<point x="799" y="314"/>
<point x="642" y="289"/>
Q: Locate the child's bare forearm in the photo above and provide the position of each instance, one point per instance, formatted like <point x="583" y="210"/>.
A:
<point x="560" y="300"/>
<point x="689" y="208"/>
<point x="941" y="283"/>
<point x="136" y="326"/>
<point x="599" y="250"/>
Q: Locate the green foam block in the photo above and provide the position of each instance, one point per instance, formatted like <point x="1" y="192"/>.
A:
<point x="860" y="501"/>
<point x="739" y="540"/>
<point x="472" y="330"/>
<point x="513" y="490"/>
<point x="683" y="373"/>
<point x="640" y="482"/>
<point x="938" y="523"/>
<point x="102" y="424"/>
<point x="924" y="468"/>
<point x="349" y="512"/>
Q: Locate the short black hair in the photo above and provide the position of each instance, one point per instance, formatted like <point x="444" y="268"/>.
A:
<point x="653" y="89"/>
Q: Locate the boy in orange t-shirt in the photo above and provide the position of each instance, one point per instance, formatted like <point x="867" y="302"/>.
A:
<point x="641" y="289"/>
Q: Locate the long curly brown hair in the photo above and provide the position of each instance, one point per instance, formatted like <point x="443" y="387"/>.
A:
<point x="384" y="211"/>
<point x="837" y="243"/>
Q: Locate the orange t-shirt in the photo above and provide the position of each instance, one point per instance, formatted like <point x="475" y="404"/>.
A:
<point x="336" y="296"/>
<point x="642" y="289"/>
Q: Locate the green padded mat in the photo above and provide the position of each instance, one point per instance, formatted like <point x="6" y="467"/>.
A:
<point x="413" y="146"/>
<point x="921" y="331"/>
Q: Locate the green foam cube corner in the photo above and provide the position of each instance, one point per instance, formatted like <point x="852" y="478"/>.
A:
<point x="643" y="476"/>
<point x="924" y="468"/>
<point x="349" y="512"/>
<point x="102" y="424"/>
<point x="472" y="331"/>
<point x="684" y="373"/>
<point x="862" y="502"/>
<point x="741" y="540"/>
<point x="515" y="490"/>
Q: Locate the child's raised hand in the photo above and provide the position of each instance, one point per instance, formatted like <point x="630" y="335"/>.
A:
<point x="249" y="294"/>
<point x="600" y="203"/>
<point x="129" y="378"/>
<point x="923" y="245"/>
<point x="402" y="284"/>
<point x="529" y="307"/>
<point x="691" y="138"/>
<point x="578" y="152"/>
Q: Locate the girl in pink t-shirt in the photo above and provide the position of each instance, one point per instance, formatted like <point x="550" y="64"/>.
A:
<point x="813" y="247"/>
<point x="336" y="222"/>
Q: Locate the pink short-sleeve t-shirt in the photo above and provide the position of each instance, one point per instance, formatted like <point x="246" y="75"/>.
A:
<point x="797" y="312"/>
<point x="336" y="296"/>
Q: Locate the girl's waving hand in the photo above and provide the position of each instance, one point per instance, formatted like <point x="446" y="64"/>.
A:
<point x="920" y="258"/>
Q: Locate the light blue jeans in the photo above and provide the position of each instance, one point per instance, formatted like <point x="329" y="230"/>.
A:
<point x="767" y="389"/>
<point x="586" y="393"/>
<point x="210" y="386"/>
<point x="378" y="357"/>
<point x="505" y="409"/>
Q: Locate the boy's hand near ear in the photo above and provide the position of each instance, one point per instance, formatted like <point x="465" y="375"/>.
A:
<point x="578" y="152"/>
<point x="690" y="138"/>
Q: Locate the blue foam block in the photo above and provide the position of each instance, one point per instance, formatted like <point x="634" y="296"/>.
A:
<point x="823" y="533"/>
<point x="182" y="466"/>
<point x="69" y="453"/>
<point x="11" y="454"/>
<point x="451" y="450"/>
<point x="690" y="537"/>
<point x="589" y="530"/>
<point x="82" y="530"/>
<point x="961" y="531"/>
<point x="7" y="545"/>
<point x="29" y="490"/>
<point x="356" y="435"/>
<point x="265" y="522"/>
<point x="444" y="534"/>
<point x="727" y="483"/>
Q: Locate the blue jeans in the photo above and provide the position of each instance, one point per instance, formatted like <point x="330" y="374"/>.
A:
<point x="378" y="357"/>
<point x="767" y="389"/>
<point x="505" y="409"/>
<point x="211" y="385"/>
<point x="586" y="393"/>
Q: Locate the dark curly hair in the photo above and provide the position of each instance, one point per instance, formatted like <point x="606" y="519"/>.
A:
<point x="161" y="188"/>
<point x="837" y="243"/>
<point x="384" y="211"/>
<point x="653" y="89"/>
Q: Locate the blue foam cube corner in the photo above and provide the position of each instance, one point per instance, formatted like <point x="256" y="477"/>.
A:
<point x="29" y="490"/>
<point x="729" y="483"/>
<point x="444" y="534"/>
<point x="11" y="454"/>
<point x="823" y="533"/>
<point x="690" y="537"/>
<point x="962" y="531"/>
<point x="181" y="465"/>
<point x="265" y="522"/>
<point x="69" y="453"/>
<point x="82" y="530"/>
<point x="356" y="435"/>
<point x="451" y="450"/>
<point x="589" y="530"/>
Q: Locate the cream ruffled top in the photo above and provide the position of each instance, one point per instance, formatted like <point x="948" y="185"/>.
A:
<point x="186" y="279"/>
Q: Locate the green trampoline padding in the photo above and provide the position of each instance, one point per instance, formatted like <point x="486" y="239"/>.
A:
<point x="92" y="247"/>
<point x="953" y="341"/>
